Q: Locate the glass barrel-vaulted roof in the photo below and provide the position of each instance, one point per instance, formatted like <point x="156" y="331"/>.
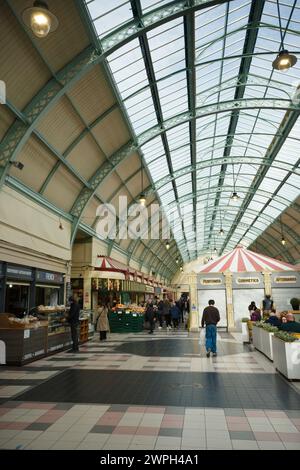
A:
<point x="210" y="112"/>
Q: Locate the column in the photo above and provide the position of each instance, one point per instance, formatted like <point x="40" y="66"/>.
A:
<point x="87" y="304"/>
<point x="229" y="301"/>
<point x="194" y="314"/>
<point x="267" y="283"/>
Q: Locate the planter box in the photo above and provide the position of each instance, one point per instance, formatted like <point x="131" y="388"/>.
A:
<point x="266" y="343"/>
<point x="245" y="333"/>
<point x="257" y="341"/>
<point x="286" y="358"/>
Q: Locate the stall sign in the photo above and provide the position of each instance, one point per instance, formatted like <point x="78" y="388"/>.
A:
<point x="44" y="276"/>
<point x="211" y="281"/>
<point x="247" y="280"/>
<point x="150" y="289"/>
<point x="285" y="279"/>
<point x="19" y="272"/>
<point x="157" y="290"/>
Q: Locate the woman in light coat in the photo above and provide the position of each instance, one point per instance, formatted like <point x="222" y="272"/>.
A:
<point x="101" y="320"/>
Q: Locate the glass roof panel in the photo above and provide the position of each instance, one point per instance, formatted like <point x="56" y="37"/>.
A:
<point x="154" y="86"/>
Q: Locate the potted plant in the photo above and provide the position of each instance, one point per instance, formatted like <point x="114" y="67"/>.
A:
<point x="266" y="333"/>
<point x="286" y="354"/>
<point x="295" y="303"/>
<point x="256" y="334"/>
<point x="245" y="330"/>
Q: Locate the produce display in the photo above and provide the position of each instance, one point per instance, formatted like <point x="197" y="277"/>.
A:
<point x="129" y="308"/>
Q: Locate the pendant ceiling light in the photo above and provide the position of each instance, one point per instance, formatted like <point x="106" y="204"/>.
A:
<point x="167" y="245"/>
<point x="234" y="196"/>
<point x="142" y="198"/>
<point x="284" y="59"/>
<point x="40" y="19"/>
<point x="283" y="242"/>
<point x="221" y="232"/>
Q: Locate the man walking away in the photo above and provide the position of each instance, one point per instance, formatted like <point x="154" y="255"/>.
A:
<point x="210" y="318"/>
<point x="73" y="319"/>
<point x="175" y="314"/>
<point x="150" y="317"/>
<point x="166" y="313"/>
<point x="160" y="313"/>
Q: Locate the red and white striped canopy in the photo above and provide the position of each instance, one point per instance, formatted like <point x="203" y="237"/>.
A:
<point x="241" y="260"/>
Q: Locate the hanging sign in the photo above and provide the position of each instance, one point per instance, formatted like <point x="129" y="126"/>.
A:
<point x="211" y="281"/>
<point x="43" y="276"/>
<point x="285" y="279"/>
<point x="247" y="280"/>
<point x="18" y="272"/>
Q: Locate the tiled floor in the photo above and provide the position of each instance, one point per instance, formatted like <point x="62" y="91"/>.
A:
<point x="141" y="392"/>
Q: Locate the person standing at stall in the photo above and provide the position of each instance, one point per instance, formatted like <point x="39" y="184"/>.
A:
<point x="210" y="318"/>
<point x="101" y="321"/>
<point x="73" y="319"/>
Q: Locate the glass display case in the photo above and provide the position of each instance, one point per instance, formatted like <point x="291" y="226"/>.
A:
<point x="57" y="323"/>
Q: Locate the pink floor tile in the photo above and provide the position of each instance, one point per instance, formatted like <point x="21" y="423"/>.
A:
<point x="238" y="427"/>
<point x="266" y="436"/>
<point x="37" y="406"/>
<point x="296" y="421"/>
<point x="289" y="436"/>
<point x="110" y="418"/>
<point x="136" y="409"/>
<point x="152" y="409"/>
<point x="18" y="425"/>
<point x="4" y="424"/>
<point x="147" y="431"/>
<point x="125" y="430"/>
<point x="47" y="418"/>
<point x="3" y="411"/>
<point x="255" y="413"/>
<point x="236" y="419"/>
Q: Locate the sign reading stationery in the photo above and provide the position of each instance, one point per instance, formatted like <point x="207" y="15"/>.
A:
<point x="212" y="281"/>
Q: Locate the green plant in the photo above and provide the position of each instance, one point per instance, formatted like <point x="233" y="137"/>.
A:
<point x="284" y="336"/>
<point x="259" y="324"/>
<point x="270" y="328"/>
<point x="245" y="319"/>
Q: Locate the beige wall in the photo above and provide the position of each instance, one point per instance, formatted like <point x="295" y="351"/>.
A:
<point x="29" y="233"/>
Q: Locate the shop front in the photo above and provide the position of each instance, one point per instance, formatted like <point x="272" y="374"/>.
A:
<point x="49" y="288"/>
<point x="284" y="288"/>
<point x="18" y="289"/>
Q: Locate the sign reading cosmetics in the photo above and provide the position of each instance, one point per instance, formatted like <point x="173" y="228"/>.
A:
<point x="43" y="276"/>
<point x="19" y="272"/>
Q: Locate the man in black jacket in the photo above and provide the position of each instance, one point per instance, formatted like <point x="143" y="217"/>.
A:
<point x="73" y="319"/>
<point x="210" y="318"/>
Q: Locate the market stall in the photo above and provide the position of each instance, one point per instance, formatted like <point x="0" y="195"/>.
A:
<point x="235" y="279"/>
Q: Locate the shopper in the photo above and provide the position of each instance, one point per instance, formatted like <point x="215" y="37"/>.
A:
<point x="291" y="325"/>
<point x="256" y="315"/>
<point x="73" y="319"/>
<point x="160" y="313"/>
<point x="252" y="307"/>
<point x="166" y="313"/>
<point x="101" y="321"/>
<point x="267" y="305"/>
<point x="175" y="314"/>
<point x="150" y="317"/>
<point x="210" y="318"/>
<point x="273" y="319"/>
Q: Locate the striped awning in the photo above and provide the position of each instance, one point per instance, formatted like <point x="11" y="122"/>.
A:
<point x="242" y="260"/>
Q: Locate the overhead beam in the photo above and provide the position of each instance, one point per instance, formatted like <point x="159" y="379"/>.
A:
<point x="255" y="15"/>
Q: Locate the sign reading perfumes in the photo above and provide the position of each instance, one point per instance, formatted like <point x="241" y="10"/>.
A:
<point x="210" y="281"/>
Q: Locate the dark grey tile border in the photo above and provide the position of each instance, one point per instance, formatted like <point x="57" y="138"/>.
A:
<point x="293" y="413"/>
<point x="118" y="408"/>
<point x="102" y="429"/>
<point x="38" y="426"/>
<point x="242" y="435"/>
<point x="170" y="432"/>
<point x="63" y="406"/>
<point x="175" y="410"/>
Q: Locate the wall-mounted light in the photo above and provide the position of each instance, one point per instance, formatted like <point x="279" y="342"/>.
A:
<point x="40" y="19"/>
<point x="18" y="165"/>
<point x="10" y="286"/>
